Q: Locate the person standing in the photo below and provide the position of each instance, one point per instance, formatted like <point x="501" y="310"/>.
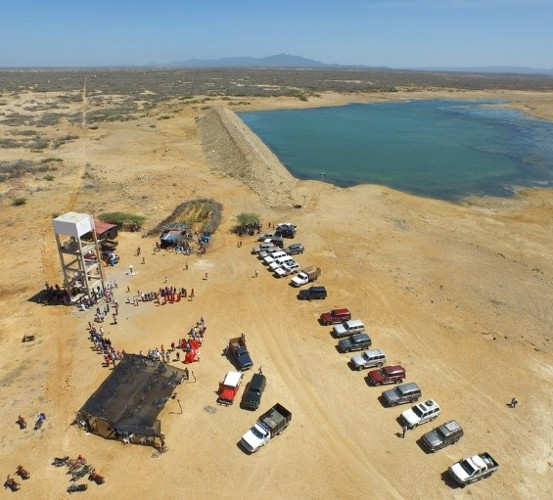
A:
<point x="403" y="431"/>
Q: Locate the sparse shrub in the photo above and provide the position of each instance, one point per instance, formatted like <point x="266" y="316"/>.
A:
<point x="49" y="177"/>
<point x="17" y="202"/>
<point x="124" y="220"/>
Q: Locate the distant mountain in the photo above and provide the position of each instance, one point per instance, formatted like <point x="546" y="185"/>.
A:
<point x="523" y="70"/>
<point x="276" y="61"/>
<point x="290" y="61"/>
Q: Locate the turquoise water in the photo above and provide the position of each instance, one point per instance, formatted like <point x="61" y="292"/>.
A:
<point x="438" y="148"/>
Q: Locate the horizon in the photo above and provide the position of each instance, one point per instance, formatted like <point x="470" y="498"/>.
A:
<point x="394" y="34"/>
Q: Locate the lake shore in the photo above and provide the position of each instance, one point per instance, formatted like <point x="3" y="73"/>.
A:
<point x="459" y="294"/>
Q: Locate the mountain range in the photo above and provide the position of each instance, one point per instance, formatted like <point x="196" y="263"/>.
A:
<point x="291" y="61"/>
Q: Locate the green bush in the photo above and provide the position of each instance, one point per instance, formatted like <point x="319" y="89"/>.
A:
<point x="49" y="177"/>
<point x="123" y="220"/>
<point x="17" y="202"/>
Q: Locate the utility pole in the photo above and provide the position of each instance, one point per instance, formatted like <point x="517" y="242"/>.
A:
<point x="84" y="104"/>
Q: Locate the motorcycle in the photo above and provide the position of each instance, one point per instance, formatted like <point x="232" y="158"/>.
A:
<point x="77" y="487"/>
<point x="22" y="472"/>
<point x="60" y="462"/>
<point x="74" y="465"/>
<point x="78" y="474"/>
<point x="94" y="476"/>
<point x="12" y="484"/>
<point x="21" y="422"/>
<point x="41" y="418"/>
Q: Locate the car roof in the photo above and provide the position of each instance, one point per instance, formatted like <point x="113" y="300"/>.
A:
<point x="232" y="379"/>
<point x="354" y="322"/>
<point x="409" y="386"/>
<point x="394" y="369"/>
<point x="337" y="312"/>
<point x="428" y="404"/>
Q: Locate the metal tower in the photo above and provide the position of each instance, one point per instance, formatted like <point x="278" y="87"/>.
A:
<point x="80" y="255"/>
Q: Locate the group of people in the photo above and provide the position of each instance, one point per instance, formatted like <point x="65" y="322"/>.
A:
<point x="164" y="295"/>
<point x="190" y="347"/>
<point x="104" y="345"/>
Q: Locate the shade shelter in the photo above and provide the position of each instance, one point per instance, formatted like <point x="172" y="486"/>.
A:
<point x="127" y="404"/>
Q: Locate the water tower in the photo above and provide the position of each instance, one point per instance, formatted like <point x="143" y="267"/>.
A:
<point x="80" y="255"/>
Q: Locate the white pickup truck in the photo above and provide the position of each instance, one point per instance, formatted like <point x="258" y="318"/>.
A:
<point x="308" y="274"/>
<point x="269" y="425"/>
<point x="472" y="469"/>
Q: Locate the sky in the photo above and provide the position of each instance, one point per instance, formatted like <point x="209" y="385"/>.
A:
<point x="392" y="33"/>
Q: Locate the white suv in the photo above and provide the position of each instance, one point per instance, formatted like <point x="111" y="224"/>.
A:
<point x="421" y="413"/>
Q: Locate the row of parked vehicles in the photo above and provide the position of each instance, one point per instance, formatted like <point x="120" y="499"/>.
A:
<point x="353" y="337"/>
<point x="280" y="260"/>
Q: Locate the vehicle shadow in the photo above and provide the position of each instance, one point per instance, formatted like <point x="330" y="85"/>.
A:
<point x="446" y="478"/>
<point x="423" y="448"/>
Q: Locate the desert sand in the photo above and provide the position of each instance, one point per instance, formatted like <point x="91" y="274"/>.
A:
<point x="460" y="294"/>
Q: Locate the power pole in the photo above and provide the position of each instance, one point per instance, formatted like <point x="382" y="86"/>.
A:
<point x="84" y="104"/>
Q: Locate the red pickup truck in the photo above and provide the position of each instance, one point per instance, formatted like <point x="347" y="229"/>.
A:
<point x="335" y="316"/>
<point x="228" y="388"/>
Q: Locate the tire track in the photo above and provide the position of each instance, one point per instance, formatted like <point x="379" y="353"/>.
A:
<point x="354" y="462"/>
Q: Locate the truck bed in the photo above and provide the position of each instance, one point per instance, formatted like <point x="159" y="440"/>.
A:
<point x="276" y="418"/>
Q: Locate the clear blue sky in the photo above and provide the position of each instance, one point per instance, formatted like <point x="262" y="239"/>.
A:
<point x="393" y="33"/>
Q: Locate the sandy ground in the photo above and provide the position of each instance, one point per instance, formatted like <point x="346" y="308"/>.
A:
<point x="459" y="294"/>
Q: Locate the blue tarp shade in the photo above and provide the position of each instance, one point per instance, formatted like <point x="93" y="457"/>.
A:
<point x="170" y="238"/>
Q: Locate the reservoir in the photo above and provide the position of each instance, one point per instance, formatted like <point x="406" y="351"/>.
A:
<point x="445" y="149"/>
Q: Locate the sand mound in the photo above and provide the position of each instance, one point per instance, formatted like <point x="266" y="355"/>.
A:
<point x="230" y="146"/>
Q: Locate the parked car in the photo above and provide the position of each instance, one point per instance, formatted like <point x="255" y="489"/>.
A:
<point x="442" y="436"/>
<point x="421" y="413"/>
<point x="286" y="268"/>
<point x="313" y="293"/>
<point x="266" y="237"/>
<point x="265" y="253"/>
<point x="387" y="375"/>
<point x="228" y="388"/>
<point x="294" y="248"/>
<point x="90" y="256"/>
<point x="308" y="274"/>
<point x="277" y="241"/>
<point x="110" y="257"/>
<point x="286" y="225"/>
<point x="368" y="359"/>
<point x="286" y="230"/>
<point x="275" y="255"/>
<point x="254" y="390"/>
<point x="356" y="342"/>
<point x="348" y="328"/>
<point x="269" y="246"/>
<point x="472" y="469"/>
<point x="282" y="271"/>
<point x="404" y="393"/>
<point x="335" y="316"/>
<point x="280" y="262"/>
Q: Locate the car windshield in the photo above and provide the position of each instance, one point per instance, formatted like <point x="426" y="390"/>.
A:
<point x="417" y="411"/>
<point x="257" y="433"/>
<point x="469" y="469"/>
